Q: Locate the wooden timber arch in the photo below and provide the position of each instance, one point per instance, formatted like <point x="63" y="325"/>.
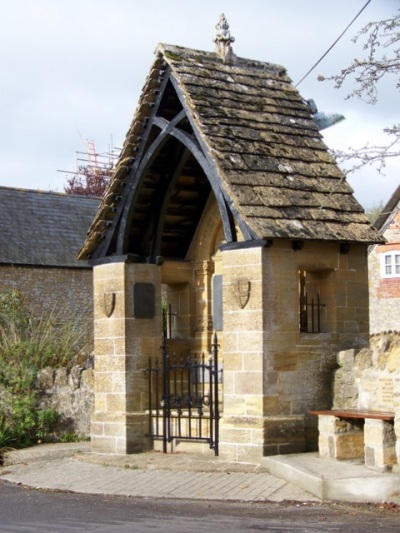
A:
<point x="169" y="185"/>
<point x="188" y="146"/>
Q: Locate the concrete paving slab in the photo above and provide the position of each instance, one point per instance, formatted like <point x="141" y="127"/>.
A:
<point x="335" y="480"/>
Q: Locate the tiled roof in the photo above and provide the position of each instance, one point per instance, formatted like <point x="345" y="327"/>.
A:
<point x="43" y="228"/>
<point x="273" y="168"/>
<point x="388" y="211"/>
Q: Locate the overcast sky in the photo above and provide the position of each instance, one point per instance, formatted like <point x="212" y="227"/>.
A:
<point x="73" y="70"/>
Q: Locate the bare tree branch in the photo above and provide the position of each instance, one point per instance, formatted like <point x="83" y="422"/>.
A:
<point x="381" y="43"/>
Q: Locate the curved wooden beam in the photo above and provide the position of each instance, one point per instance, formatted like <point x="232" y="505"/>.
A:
<point x="170" y="129"/>
<point x="147" y="159"/>
<point x="191" y="143"/>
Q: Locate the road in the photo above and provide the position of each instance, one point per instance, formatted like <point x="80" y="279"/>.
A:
<point x="24" y="510"/>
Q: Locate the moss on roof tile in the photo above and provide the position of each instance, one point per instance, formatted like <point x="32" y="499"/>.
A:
<point x="262" y="142"/>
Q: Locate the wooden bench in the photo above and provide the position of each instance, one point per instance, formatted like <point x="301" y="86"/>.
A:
<point x="356" y="413"/>
<point x="357" y="434"/>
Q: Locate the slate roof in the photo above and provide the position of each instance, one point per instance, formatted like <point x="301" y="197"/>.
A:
<point x="273" y="168"/>
<point x="43" y="228"/>
<point x="388" y="211"/>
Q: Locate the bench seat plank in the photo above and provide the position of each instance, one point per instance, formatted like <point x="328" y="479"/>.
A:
<point x="352" y="413"/>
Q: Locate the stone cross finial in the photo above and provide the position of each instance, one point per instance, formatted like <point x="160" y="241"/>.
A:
<point x="223" y="40"/>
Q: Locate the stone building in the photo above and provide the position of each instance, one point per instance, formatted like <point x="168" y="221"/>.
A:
<point x="40" y="235"/>
<point x="384" y="270"/>
<point x="226" y="198"/>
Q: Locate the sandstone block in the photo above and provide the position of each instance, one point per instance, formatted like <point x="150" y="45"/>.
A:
<point x="378" y="433"/>
<point x="102" y="382"/>
<point x="116" y="402"/>
<point x="254" y="405"/>
<point x="233" y="362"/>
<point x="235" y="405"/>
<point x="279" y="430"/>
<point x="276" y="406"/>
<point x="345" y="359"/>
<point x="248" y="383"/>
<point x="227" y="451"/>
<point x="250" y="454"/>
<point x="348" y="446"/>
<point x="102" y="444"/>
<point x="234" y="436"/>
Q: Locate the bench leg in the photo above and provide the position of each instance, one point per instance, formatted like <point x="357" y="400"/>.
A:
<point x="379" y="444"/>
<point x="338" y="439"/>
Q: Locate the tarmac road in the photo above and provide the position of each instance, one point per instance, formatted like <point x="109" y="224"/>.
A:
<point x="26" y="510"/>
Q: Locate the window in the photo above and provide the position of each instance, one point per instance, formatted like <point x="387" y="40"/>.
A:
<point x="312" y="311"/>
<point x="390" y="264"/>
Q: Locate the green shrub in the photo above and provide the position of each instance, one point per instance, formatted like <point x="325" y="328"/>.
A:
<point x="5" y="433"/>
<point x="28" y="344"/>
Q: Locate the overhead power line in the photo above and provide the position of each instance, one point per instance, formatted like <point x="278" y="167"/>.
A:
<point x="337" y="40"/>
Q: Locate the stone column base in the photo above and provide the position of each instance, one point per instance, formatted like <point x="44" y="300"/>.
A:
<point x="119" y="433"/>
<point x="249" y="439"/>
<point x="241" y="439"/>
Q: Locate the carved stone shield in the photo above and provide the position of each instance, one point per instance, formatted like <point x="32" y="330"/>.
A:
<point x="242" y="290"/>
<point x="108" y="303"/>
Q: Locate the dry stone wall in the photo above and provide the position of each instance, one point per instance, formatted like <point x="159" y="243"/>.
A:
<point x="70" y="393"/>
<point x="369" y="379"/>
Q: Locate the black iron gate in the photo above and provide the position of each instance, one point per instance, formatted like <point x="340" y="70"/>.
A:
<point x="183" y="397"/>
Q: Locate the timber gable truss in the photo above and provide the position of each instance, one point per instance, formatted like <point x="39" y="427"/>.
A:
<point x="167" y="187"/>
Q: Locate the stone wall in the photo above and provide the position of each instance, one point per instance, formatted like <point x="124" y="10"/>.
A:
<point x="70" y="393"/>
<point x="67" y="291"/>
<point x="369" y="379"/>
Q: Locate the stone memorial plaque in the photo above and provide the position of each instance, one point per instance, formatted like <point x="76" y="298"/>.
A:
<point x="144" y="298"/>
<point x="385" y="392"/>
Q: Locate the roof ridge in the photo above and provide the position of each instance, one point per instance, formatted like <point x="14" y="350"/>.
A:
<point x="176" y="53"/>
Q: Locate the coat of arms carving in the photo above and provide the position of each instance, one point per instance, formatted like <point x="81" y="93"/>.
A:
<point x="242" y="290"/>
<point x="107" y="303"/>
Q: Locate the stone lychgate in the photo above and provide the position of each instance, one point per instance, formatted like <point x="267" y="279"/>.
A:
<point x="226" y="205"/>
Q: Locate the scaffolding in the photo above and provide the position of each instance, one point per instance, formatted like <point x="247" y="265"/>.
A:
<point x="93" y="168"/>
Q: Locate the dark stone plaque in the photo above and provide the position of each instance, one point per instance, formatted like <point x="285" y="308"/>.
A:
<point x="144" y="298"/>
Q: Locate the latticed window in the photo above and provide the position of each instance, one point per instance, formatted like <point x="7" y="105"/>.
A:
<point x="391" y="264"/>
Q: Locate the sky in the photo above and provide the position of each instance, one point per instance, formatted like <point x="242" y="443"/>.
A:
<point x="73" y="70"/>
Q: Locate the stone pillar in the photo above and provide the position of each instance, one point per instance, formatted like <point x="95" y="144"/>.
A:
<point x="380" y="444"/>
<point x="242" y="425"/>
<point x="203" y="272"/>
<point x="126" y="333"/>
